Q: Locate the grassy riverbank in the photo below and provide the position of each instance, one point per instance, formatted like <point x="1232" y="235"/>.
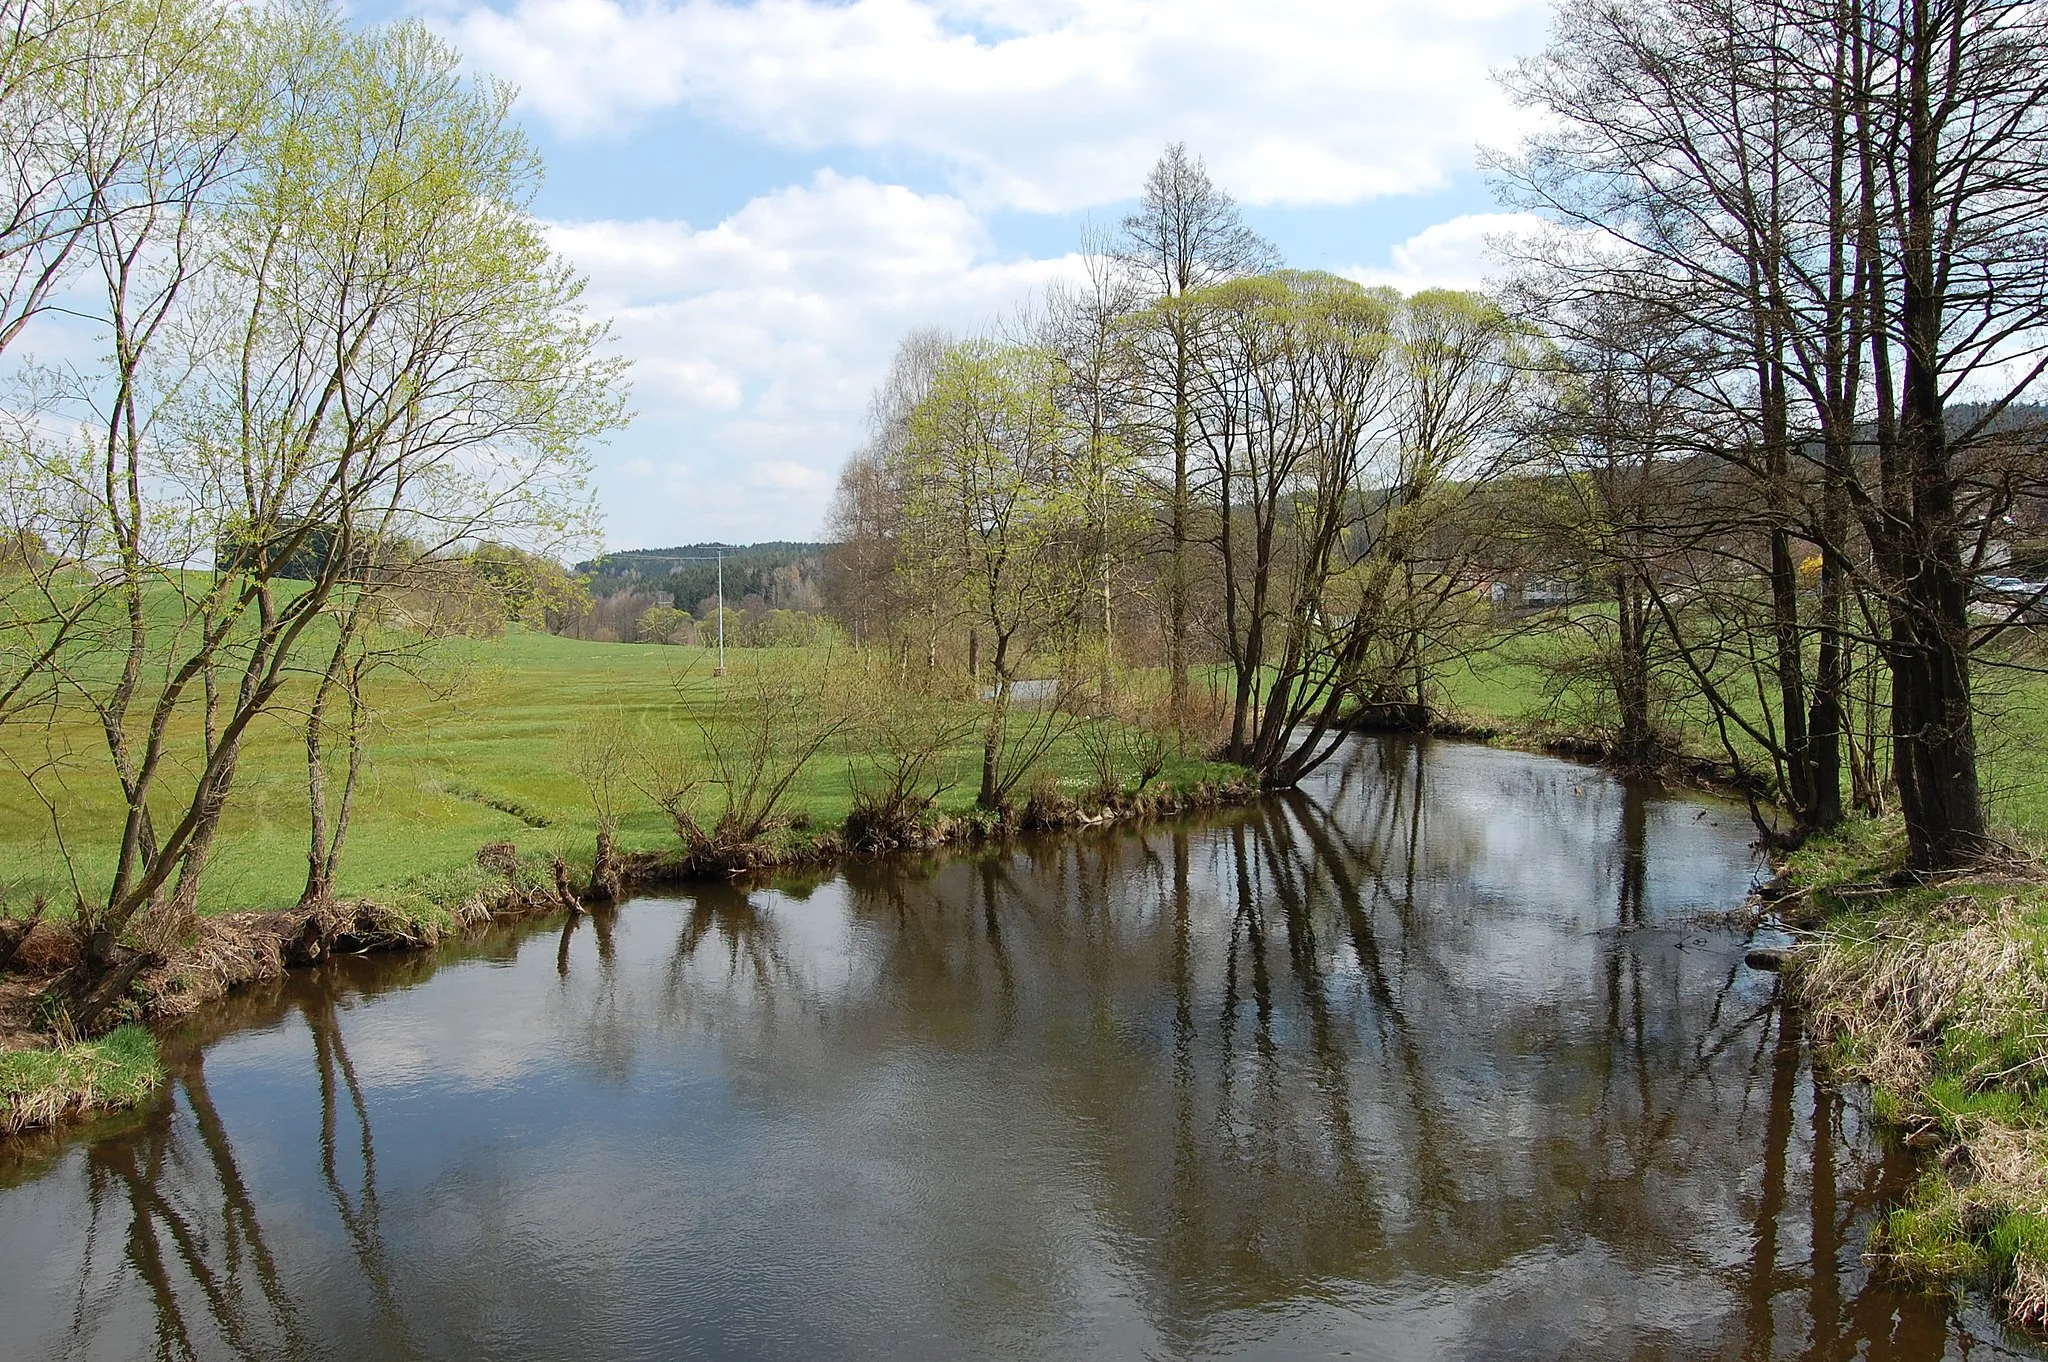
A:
<point x="1510" y="688"/>
<point x="1935" y="994"/>
<point x="474" y="744"/>
<point x="41" y="1084"/>
<point x="44" y="1085"/>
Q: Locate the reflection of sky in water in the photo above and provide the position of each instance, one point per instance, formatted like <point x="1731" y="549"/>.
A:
<point x="1315" y="1077"/>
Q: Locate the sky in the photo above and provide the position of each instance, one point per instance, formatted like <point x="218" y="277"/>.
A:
<point x="765" y="196"/>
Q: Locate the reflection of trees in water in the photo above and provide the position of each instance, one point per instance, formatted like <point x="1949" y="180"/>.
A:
<point x="1291" y="1051"/>
<point x="1656" y="1097"/>
<point x="171" y="1247"/>
<point x="193" y="1238"/>
<point x="1341" y="1090"/>
<point x="730" y="969"/>
<point x="360" y="1212"/>
<point x="726" y="915"/>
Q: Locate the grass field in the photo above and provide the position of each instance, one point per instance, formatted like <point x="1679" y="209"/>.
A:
<point x="474" y="750"/>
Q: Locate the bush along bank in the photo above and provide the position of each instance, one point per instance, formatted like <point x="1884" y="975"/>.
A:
<point x="42" y="1083"/>
<point x="1934" y="993"/>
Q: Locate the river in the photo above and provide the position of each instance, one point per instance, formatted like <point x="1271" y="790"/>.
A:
<point x="1452" y="1054"/>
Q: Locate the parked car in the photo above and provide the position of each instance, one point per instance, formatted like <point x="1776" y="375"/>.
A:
<point x="2003" y="598"/>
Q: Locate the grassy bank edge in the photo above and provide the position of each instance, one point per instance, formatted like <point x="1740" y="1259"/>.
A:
<point x="1934" y="994"/>
<point x="43" y="1085"/>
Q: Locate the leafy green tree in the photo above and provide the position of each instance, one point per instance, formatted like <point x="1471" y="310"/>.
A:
<point x="331" y="315"/>
<point x="992" y="519"/>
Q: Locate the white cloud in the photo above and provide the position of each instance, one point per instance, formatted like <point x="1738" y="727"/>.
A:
<point x="1454" y="254"/>
<point x="776" y="473"/>
<point x="757" y="341"/>
<point x="1047" y="104"/>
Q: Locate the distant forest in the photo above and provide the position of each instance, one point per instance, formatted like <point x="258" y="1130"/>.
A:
<point x="779" y="575"/>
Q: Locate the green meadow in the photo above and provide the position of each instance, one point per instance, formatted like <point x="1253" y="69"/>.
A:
<point x="474" y="747"/>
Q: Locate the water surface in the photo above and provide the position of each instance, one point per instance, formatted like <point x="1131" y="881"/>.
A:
<point x="1451" y="1055"/>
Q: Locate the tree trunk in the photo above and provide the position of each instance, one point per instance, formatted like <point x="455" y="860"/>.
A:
<point x="604" y="870"/>
<point x="1825" y="716"/>
<point x="1937" y="756"/>
<point x="992" y="748"/>
<point x="1634" y="740"/>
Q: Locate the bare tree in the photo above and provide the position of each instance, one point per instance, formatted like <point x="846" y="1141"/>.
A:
<point x="904" y="742"/>
<point x="601" y="752"/>
<point x="1601" y="422"/>
<point x="766" y="726"/>
<point x="1847" y="202"/>
<point x="1186" y="235"/>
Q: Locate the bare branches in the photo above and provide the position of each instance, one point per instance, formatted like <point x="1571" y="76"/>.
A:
<point x="765" y="727"/>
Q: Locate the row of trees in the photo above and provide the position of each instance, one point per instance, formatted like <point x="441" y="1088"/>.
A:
<point x="1762" y="388"/>
<point x="324" y="351"/>
<point x="1799" y="250"/>
<point x="1266" y="465"/>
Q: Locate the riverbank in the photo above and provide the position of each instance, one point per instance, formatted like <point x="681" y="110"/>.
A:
<point x="1935" y="995"/>
<point x="1509" y="694"/>
<point x="44" y="1083"/>
<point x="1684" y="769"/>
<point x="480" y="744"/>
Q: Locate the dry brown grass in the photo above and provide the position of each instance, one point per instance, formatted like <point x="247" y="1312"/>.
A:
<point x="1936" y="995"/>
<point x="1897" y="990"/>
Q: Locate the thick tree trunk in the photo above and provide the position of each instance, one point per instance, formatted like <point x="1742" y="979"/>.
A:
<point x="1933" y="720"/>
<point x="1933" y="723"/>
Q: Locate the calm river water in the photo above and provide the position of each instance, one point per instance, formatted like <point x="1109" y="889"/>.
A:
<point x="1448" y="1056"/>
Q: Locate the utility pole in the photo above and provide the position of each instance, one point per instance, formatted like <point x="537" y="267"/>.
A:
<point x="719" y="670"/>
